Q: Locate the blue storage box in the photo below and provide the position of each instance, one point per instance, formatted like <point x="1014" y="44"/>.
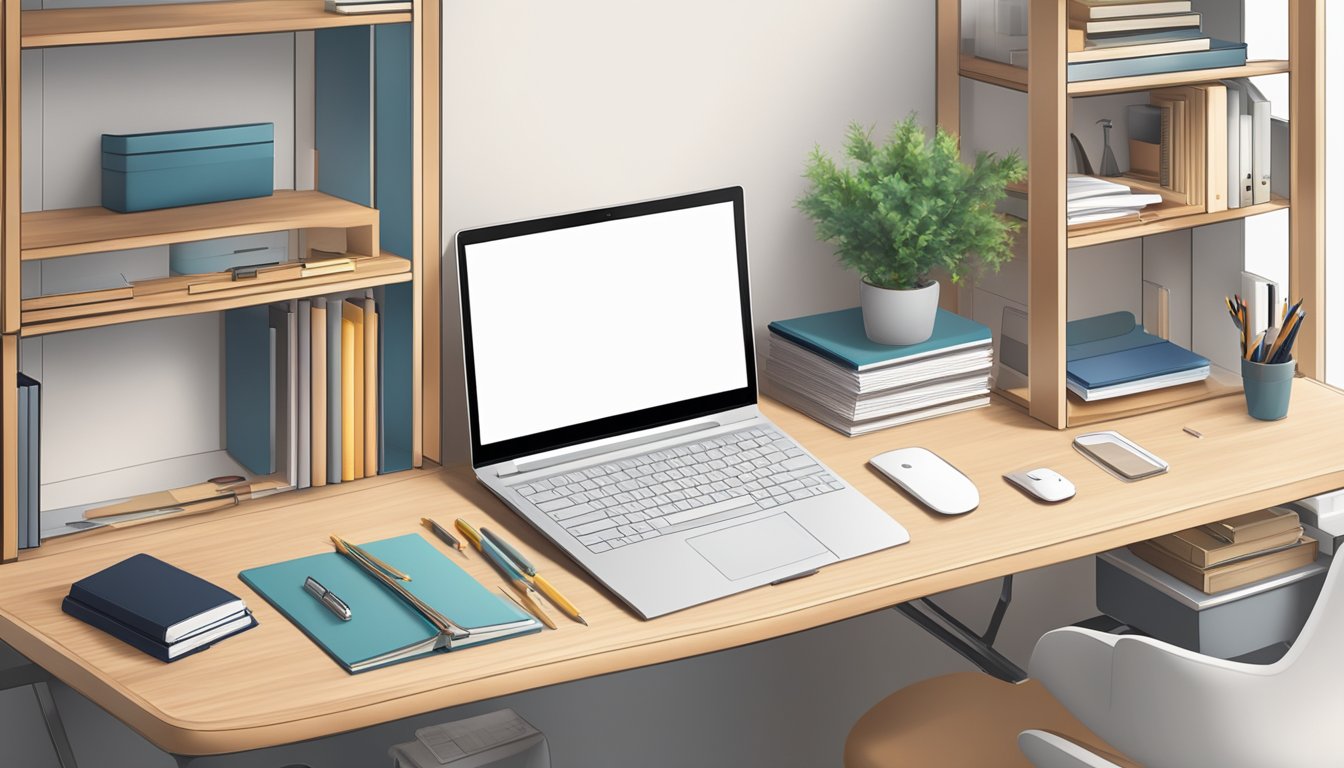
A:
<point x="146" y="171"/>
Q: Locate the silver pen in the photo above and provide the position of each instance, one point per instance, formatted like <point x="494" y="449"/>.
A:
<point x="328" y="598"/>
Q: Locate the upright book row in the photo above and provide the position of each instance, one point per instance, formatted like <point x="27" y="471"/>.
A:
<point x="302" y="392"/>
<point x="1209" y="143"/>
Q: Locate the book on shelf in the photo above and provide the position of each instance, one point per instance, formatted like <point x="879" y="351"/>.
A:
<point x="1256" y="119"/>
<point x="29" y="443"/>
<point x="1200" y="140"/>
<point x="1110" y="52"/>
<point x="350" y="397"/>
<point x="1220" y="54"/>
<point x="1092" y="199"/>
<point x="366" y="6"/>
<point x="1112" y="355"/>
<point x="1084" y="10"/>
<point x="354" y="313"/>
<point x="825" y="366"/>
<point x="318" y="417"/>
<point x="335" y="392"/>
<point x="384" y="628"/>
<point x="1254" y="525"/>
<point x="1135" y="23"/>
<point x="157" y="608"/>
<point x="371" y="359"/>
<point x="284" y="393"/>
<point x="304" y="318"/>
<point x="1230" y="575"/>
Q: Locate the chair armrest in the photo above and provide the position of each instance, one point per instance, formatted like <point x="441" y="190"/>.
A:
<point x="1050" y="750"/>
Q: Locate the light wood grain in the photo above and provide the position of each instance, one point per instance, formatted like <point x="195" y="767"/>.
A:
<point x="1306" y="234"/>
<point x="1018" y="79"/>
<point x="1156" y="223"/>
<point x="124" y="24"/>
<point x="386" y="271"/>
<point x="9" y="447"/>
<point x="218" y="701"/>
<point x="1047" y="283"/>
<point x="431" y="246"/>
<point x="11" y="187"/>
<point x="76" y="231"/>
<point x="948" y="55"/>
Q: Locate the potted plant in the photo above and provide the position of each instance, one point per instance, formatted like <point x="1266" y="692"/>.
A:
<point x="902" y="209"/>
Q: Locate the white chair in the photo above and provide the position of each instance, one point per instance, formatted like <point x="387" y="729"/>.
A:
<point x="1096" y="700"/>
<point x="1165" y="706"/>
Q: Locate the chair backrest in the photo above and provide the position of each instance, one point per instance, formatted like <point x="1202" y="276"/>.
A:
<point x="1166" y="701"/>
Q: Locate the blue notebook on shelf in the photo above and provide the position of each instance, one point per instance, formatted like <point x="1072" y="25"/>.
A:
<point x="383" y="629"/>
<point x="839" y="336"/>
<point x="1112" y="355"/>
<point x="1221" y="53"/>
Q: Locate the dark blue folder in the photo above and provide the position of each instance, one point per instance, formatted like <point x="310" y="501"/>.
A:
<point x="1113" y="349"/>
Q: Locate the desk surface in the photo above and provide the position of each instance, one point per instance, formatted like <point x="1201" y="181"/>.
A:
<point x="273" y="686"/>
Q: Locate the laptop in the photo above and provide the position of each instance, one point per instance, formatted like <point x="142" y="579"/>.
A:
<point x="611" y="392"/>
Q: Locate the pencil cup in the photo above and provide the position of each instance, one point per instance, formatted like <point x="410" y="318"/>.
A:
<point x="1267" y="386"/>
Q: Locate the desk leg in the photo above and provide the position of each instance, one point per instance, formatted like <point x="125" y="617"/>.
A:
<point x="977" y="649"/>
<point x="55" y="726"/>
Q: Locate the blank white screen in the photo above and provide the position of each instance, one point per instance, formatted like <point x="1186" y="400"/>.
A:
<point x="582" y="323"/>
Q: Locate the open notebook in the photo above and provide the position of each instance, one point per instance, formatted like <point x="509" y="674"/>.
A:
<point x="384" y="629"/>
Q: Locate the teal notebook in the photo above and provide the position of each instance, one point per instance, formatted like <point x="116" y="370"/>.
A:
<point x="839" y="336"/>
<point x="383" y="629"/>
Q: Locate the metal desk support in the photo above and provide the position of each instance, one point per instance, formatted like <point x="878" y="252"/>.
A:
<point x="975" y="648"/>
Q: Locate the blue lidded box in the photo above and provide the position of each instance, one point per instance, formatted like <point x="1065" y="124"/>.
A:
<point x="146" y="171"/>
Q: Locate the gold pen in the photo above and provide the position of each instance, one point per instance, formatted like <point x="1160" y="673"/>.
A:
<point x="393" y="572"/>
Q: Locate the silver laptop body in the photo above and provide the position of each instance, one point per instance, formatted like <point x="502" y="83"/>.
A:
<point x="611" y="389"/>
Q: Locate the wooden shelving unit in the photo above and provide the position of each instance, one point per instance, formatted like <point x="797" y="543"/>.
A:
<point x="1048" y="92"/>
<point x="141" y="23"/>
<point x="29" y="237"/>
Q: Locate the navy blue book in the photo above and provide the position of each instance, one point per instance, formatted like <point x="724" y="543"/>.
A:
<point x="161" y="602"/>
<point x="1221" y="53"/>
<point x="161" y="651"/>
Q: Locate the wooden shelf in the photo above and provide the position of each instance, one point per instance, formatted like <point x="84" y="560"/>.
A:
<point x="138" y="23"/>
<point x="1008" y="76"/>
<point x="1168" y="79"/>
<point x="371" y="272"/>
<point x="1167" y="218"/>
<point x="1220" y="383"/>
<point x="77" y="231"/>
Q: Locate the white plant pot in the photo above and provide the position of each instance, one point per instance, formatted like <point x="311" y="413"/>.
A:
<point x="898" y="318"/>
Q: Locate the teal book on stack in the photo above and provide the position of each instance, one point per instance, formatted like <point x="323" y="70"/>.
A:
<point x="825" y="366"/>
<point x="383" y="629"/>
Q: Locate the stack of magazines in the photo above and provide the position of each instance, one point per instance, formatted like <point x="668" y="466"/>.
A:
<point x="825" y="366"/>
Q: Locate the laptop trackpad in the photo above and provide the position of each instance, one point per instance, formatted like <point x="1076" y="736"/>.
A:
<point x="756" y="547"/>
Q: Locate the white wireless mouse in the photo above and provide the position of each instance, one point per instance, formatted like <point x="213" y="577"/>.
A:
<point x="1042" y="483"/>
<point x="936" y="484"/>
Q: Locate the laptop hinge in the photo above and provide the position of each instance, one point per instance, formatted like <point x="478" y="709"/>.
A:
<point x="510" y="468"/>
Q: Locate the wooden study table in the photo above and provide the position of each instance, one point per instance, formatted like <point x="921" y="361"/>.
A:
<point x="273" y="686"/>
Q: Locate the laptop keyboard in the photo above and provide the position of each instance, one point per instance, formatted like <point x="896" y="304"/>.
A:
<point x="675" y="489"/>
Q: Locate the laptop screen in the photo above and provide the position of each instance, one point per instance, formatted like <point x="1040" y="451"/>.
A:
<point x="594" y="324"/>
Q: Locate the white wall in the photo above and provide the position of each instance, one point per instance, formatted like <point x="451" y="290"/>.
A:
<point x="557" y="107"/>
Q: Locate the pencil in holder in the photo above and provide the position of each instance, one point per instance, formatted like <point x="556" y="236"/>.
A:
<point x="1268" y="387"/>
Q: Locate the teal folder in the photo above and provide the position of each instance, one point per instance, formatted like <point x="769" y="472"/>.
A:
<point x="839" y="336"/>
<point x="249" y="395"/>
<point x="384" y="629"/>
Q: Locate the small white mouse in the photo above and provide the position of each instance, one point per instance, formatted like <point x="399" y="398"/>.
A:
<point x="1042" y="483"/>
<point x="923" y="474"/>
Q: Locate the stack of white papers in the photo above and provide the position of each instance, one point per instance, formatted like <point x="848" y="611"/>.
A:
<point x="1091" y="199"/>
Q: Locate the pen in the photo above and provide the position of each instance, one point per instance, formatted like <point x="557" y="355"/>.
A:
<point x="328" y="598"/>
<point x="393" y="572"/>
<point x="443" y="534"/>
<point x="545" y="587"/>
<point x="507" y="569"/>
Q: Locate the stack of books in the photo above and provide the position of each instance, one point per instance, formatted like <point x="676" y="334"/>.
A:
<point x="1232" y="553"/>
<point x="825" y="366"/>
<point x="1092" y="200"/>
<point x="352" y="7"/>
<point x="161" y="610"/>
<point x="1125" y="38"/>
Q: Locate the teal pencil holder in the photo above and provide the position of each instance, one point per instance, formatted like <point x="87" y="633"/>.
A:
<point x="1268" y="388"/>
